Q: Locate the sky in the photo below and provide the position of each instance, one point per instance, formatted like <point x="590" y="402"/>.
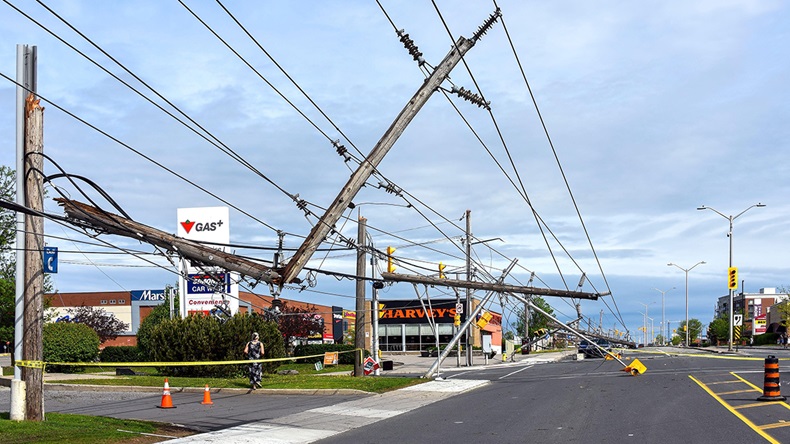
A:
<point x="652" y="108"/>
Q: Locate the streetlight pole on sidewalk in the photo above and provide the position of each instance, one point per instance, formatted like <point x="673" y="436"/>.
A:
<point x="686" y="270"/>
<point x="730" y="218"/>
<point x="663" y="324"/>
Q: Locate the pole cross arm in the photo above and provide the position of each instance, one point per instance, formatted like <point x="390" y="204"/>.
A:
<point x="100" y="220"/>
<point x="503" y="288"/>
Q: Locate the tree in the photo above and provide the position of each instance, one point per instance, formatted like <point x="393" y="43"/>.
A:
<point x="8" y="257"/>
<point x="695" y="328"/>
<point x="537" y="320"/>
<point x="159" y="314"/>
<point x="719" y="329"/>
<point x="106" y="325"/>
<point x="297" y="323"/>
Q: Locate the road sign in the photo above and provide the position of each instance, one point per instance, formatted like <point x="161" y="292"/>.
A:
<point x="459" y="308"/>
<point x="50" y="259"/>
<point x="737" y="320"/>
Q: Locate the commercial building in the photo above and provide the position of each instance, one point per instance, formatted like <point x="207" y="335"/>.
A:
<point x="755" y="308"/>
<point x="412" y="325"/>
<point x="132" y="307"/>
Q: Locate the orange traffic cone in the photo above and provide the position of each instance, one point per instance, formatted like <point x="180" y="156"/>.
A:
<point x="206" y="397"/>
<point x="167" y="401"/>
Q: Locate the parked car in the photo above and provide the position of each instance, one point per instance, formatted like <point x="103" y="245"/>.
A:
<point x="591" y="351"/>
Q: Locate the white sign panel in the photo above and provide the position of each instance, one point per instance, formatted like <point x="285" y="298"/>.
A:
<point x="206" y="287"/>
<point x="738" y="320"/>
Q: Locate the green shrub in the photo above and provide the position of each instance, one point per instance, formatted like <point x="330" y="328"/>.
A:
<point x="204" y="338"/>
<point x="122" y="353"/>
<point x="69" y="342"/>
<point x="766" y="338"/>
<point x="320" y="349"/>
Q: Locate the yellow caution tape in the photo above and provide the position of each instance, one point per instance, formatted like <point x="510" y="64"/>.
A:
<point x="30" y="364"/>
<point x="184" y="364"/>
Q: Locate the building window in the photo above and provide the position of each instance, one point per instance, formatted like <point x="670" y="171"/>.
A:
<point x="104" y="301"/>
<point x="112" y="301"/>
<point x="121" y="301"/>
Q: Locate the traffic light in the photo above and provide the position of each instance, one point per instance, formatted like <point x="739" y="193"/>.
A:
<point x="441" y="271"/>
<point x="732" y="278"/>
<point x="390" y="266"/>
<point x="457" y="320"/>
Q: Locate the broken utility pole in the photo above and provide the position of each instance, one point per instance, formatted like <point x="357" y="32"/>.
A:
<point x="103" y="221"/>
<point x="33" y="346"/>
<point x="333" y="213"/>
<point x="503" y="288"/>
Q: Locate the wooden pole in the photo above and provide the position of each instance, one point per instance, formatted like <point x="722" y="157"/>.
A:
<point x="333" y="213"/>
<point x="360" y="326"/>
<point x="33" y="347"/>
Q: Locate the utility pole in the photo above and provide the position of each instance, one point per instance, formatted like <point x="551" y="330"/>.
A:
<point x="33" y="347"/>
<point x="526" y="328"/>
<point x="357" y="180"/>
<point x="26" y="80"/>
<point x="360" y="324"/>
<point x="374" y="307"/>
<point x="469" y="290"/>
<point x="106" y="222"/>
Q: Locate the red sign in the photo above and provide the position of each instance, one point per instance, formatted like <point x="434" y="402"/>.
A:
<point x="370" y="365"/>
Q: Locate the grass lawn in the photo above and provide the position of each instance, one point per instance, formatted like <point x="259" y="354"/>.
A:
<point x="333" y="377"/>
<point x="61" y="428"/>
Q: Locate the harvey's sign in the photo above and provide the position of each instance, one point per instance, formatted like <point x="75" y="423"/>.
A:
<point x="411" y="311"/>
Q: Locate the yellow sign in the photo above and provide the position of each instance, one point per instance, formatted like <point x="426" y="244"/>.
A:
<point x="484" y="319"/>
<point x="330" y="358"/>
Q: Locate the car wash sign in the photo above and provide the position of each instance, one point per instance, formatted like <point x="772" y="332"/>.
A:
<point x="205" y="288"/>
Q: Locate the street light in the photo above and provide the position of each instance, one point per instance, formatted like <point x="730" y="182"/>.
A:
<point x="730" y="218"/>
<point x="644" y="322"/>
<point x="686" y="270"/>
<point x="652" y="332"/>
<point x="664" y="338"/>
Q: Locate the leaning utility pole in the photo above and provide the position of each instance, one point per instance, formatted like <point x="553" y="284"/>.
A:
<point x="105" y="222"/>
<point x="357" y="180"/>
<point x="33" y="347"/>
<point x="361" y="320"/>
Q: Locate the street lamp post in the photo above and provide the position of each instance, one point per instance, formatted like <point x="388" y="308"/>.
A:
<point x="644" y="322"/>
<point x="663" y="324"/>
<point x="730" y="218"/>
<point x="652" y="332"/>
<point x="686" y="270"/>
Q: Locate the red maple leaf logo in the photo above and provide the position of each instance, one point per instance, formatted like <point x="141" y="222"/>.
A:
<point x="187" y="225"/>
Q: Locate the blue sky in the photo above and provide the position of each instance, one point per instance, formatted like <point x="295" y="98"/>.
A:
<point x="654" y="108"/>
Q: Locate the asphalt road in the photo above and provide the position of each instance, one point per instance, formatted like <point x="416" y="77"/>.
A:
<point x="685" y="396"/>
<point x="592" y="401"/>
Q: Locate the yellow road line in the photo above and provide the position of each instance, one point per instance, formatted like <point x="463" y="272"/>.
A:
<point x="736" y="392"/>
<point x="737" y="414"/>
<point x="775" y="425"/>
<point x="757" y="404"/>
<point x="746" y="382"/>
<point x="723" y="382"/>
<point x="784" y="404"/>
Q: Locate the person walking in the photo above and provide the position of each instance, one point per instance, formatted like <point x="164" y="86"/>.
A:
<point x="254" y="350"/>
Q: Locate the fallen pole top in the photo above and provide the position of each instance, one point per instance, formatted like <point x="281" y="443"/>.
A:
<point x="474" y="285"/>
